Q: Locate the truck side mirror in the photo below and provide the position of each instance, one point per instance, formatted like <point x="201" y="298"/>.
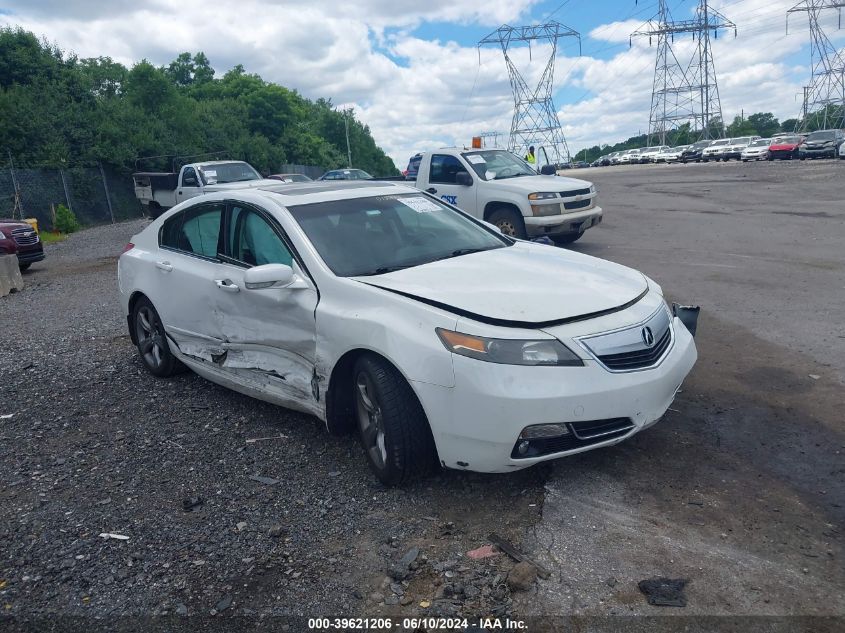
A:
<point x="463" y="178"/>
<point x="548" y="170"/>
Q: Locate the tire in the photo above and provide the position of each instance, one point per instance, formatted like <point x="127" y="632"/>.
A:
<point x="152" y="344"/>
<point x="154" y="210"/>
<point x="392" y="425"/>
<point x="24" y="266"/>
<point x="562" y="240"/>
<point x="509" y="222"/>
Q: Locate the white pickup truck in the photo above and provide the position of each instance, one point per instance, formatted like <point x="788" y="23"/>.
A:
<point x="158" y="191"/>
<point x="497" y="186"/>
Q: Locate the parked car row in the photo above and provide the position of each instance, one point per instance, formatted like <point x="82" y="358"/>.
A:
<point x="819" y="144"/>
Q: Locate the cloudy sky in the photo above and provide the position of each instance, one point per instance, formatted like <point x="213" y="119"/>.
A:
<point x="412" y="70"/>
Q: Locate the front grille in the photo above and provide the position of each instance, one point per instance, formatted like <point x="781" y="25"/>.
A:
<point x="25" y="237"/>
<point x="575" y="192"/>
<point x="581" y="204"/>
<point x="640" y="358"/>
<point x="581" y="434"/>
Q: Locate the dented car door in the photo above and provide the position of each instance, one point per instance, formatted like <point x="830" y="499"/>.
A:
<point x="268" y="333"/>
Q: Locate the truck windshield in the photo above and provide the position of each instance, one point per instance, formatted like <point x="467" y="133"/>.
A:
<point x="498" y="164"/>
<point x="374" y="236"/>
<point x="219" y="173"/>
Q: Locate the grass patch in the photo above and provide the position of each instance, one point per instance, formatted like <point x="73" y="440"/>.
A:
<point x="48" y="237"/>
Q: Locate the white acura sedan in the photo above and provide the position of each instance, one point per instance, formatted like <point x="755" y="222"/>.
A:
<point x="379" y="308"/>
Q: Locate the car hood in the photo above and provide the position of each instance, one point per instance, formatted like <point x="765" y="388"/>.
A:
<point x="248" y="184"/>
<point x="532" y="184"/>
<point x="524" y="285"/>
<point x="784" y="146"/>
<point x="13" y="224"/>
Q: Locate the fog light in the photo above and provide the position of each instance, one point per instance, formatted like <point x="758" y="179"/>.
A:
<point x="522" y="448"/>
<point x="539" y="431"/>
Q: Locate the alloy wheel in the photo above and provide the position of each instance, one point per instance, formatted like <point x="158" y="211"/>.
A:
<point x="150" y="336"/>
<point x="370" y="419"/>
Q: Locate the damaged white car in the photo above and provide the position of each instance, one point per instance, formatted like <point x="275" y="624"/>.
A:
<point x="379" y="308"/>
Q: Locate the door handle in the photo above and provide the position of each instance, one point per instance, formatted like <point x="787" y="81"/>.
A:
<point x="431" y="190"/>
<point x="165" y="266"/>
<point x="227" y="285"/>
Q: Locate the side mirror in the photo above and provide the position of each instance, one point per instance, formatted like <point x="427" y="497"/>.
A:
<point x="548" y="170"/>
<point x="463" y="178"/>
<point x="268" y="276"/>
<point x="189" y="182"/>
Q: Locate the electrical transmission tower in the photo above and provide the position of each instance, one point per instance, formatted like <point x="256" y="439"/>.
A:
<point x="535" y="121"/>
<point x="684" y="92"/>
<point x="824" y="98"/>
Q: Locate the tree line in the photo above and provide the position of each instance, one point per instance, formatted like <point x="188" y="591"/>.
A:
<point x="763" y="124"/>
<point x="57" y="110"/>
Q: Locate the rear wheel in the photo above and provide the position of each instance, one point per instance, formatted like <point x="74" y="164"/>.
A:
<point x="509" y="222"/>
<point x="152" y="342"/>
<point x="392" y="425"/>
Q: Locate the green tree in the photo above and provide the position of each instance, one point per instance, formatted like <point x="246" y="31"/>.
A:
<point x="765" y="123"/>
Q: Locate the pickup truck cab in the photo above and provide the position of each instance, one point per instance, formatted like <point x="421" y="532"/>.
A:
<point x="498" y="187"/>
<point x="159" y="191"/>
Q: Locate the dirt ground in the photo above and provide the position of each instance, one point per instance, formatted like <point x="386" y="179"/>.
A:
<point x="740" y="489"/>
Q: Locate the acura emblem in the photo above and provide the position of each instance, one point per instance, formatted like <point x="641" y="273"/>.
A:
<point x="648" y="336"/>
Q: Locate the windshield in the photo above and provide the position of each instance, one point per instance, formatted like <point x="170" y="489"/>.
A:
<point x="741" y="141"/>
<point x="498" y="164"/>
<point x="722" y="142"/>
<point x="788" y="140"/>
<point x="821" y="136"/>
<point x="373" y="236"/>
<point x="763" y="142"/>
<point x="218" y="173"/>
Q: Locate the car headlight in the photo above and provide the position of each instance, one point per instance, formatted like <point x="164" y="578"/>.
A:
<point x="592" y="188"/>
<point x="545" y="195"/>
<point x="3" y="236"/>
<point x="548" y="352"/>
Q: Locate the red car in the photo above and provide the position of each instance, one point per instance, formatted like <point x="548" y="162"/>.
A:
<point x="19" y="237"/>
<point x="785" y="148"/>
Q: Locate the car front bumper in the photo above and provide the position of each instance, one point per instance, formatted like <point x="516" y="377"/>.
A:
<point x="30" y="254"/>
<point x="821" y="152"/>
<point x="477" y="423"/>
<point x="564" y="223"/>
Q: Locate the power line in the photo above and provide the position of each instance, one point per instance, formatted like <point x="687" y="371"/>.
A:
<point x="684" y="93"/>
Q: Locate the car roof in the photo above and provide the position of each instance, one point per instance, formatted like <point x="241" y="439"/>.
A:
<point x="289" y="194"/>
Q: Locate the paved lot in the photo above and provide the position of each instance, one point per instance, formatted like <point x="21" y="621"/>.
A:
<point x="739" y="489"/>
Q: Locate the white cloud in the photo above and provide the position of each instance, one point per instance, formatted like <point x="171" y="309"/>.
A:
<point x="418" y="94"/>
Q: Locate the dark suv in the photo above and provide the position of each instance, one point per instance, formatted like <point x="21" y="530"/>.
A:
<point x="821" y="144"/>
<point x="693" y="152"/>
<point x="19" y="237"/>
<point x="413" y="167"/>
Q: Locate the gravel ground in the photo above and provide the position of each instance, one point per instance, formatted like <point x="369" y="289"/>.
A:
<point x="96" y="445"/>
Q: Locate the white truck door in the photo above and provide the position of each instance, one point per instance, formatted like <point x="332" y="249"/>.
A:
<point x="269" y="334"/>
<point x="189" y="184"/>
<point x="451" y="181"/>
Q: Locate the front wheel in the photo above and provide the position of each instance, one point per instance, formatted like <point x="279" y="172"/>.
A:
<point x="152" y="341"/>
<point x="392" y="425"/>
<point x="509" y="222"/>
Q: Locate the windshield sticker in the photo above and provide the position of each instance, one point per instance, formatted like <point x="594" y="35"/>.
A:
<point x="476" y="159"/>
<point x="420" y="204"/>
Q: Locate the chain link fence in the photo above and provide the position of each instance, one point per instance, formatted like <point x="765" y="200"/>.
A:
<point x="96" y="195"/>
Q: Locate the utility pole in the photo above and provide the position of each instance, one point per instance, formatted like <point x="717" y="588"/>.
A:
<point x="535" y="121"/>
<point x="825" y="95"/>
<point x="348" y="150"/>
<point x="684" y="92"/>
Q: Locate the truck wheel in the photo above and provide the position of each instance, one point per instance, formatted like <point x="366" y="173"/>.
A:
<point x="391" y="422"/>
<point x="562" y="240"/>
<point x="154" y="210"/>
<point x="509" y="223"/>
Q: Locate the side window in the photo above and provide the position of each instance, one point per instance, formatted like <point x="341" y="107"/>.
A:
<point x="253" y="241"/>
<point x="196" y="231"/>
<point x="189" y="177"/>
<point x="445" y="169"/>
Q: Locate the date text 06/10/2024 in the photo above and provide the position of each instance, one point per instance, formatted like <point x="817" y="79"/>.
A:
<point x="430" y="624"/>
